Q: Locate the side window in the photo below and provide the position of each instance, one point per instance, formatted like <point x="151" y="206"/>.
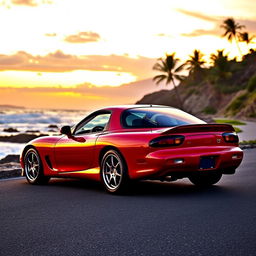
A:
<point x="95" y="124"/>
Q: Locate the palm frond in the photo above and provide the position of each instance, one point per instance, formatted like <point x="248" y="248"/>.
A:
<point x="159" y="78"/>
<point x="180" y="68"/>
<point x="179" y="77"/>
<point x="157" y="67"/>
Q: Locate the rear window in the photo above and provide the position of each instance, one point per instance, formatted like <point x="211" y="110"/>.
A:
<point x="157" y="117"/>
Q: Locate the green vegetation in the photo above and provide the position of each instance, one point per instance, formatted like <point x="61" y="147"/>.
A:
<point x="223" y="77"/>
<point x="228" y="121"/>
<point x="221" y="69"/>
<point x="232" y="122"/>
<point x="244" y="37"/>
<point x="237" y="104"/>
<point x="246" y="142"/>
<point x="210" y="110"/>
<point x="170" y="71"/>
<point x="195" y="63"/>
<point x="253" y="115"/>
<point x="241" y="102"/>
<point x="231" y="30"/>
<point x="251" y="86"/>
<point x="237" y="130"/>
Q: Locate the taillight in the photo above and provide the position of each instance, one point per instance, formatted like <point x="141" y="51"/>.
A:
<point x="230" y="137"/>
<point x="167" y="141"/>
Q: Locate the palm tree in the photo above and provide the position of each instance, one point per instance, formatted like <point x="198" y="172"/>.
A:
<point x="231" y="30"/>
<point x="219" y="56"/>
<point x="221" y="65"/>
<point x="195" y="63"/>
<point x="244" y="37"/>
<point x="170" y="70"/>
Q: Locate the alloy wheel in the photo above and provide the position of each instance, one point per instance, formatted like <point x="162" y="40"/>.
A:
<point x="112" y="171"/>
<point x="32" y="166"/>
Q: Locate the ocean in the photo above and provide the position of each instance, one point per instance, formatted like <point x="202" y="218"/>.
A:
<point x="14" y="121"/>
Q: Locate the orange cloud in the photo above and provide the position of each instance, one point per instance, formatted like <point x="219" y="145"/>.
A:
<point x="164" y="35"/>
<point x="198" y="15"/>
<point x="216" y="31"/>
<point x="203" y="32"/>
<point x="31" y="3"/>
<point x="250" y="24"/>
<point x="85" y="96"/>
<point x="61" y="62"/>
<point x="83" y="37"/>
<point x="51" y="34"/>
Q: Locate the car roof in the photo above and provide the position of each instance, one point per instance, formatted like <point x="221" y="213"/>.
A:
<point x="123" y="107"/>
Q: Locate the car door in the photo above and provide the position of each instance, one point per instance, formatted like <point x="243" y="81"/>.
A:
<point x="76" y="153"/>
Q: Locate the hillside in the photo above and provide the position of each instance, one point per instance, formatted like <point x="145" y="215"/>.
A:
<point x="225" y="90"/>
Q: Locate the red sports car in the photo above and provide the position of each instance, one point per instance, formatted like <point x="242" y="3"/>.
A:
<point x="122" y="143"/>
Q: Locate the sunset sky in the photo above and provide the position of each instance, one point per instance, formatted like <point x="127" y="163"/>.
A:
<point x="81" y="54"/>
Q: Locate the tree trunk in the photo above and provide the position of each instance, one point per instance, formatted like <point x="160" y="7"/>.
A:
<point x="178" y="95"/>
<point x="238" y="47"/>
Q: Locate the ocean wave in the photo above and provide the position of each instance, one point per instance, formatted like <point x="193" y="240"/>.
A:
<point x="31" y="118"/>
<point x="10" y="149"/>
<point x="34" y="120"/>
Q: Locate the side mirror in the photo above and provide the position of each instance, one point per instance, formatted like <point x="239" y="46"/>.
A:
<point x="66" y="130"/>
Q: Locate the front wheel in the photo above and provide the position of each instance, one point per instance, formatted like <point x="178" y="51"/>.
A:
<point x="33" y="168"/>
<point x="114" y="172"/>
<point x="205" y="179"/>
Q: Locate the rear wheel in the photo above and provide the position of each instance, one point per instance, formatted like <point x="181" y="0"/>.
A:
<point x="205" y="179"/>
<point x="33" y="168"/>
<point x="114" y="172"/>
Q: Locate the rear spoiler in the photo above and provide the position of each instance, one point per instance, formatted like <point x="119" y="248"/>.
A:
<point x="200" y="128"/>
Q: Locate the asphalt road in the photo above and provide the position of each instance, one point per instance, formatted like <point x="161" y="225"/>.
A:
<point x="71" y="217"/>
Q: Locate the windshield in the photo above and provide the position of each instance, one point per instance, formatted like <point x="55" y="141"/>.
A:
<point x="157" y="117"/>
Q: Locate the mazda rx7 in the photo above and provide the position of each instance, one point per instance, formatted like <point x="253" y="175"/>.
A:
<point x="118" y="144"/>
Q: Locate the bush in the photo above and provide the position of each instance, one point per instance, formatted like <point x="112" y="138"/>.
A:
<point x="237" y="130"/>
<point x="227" y="88"/>
<point x="209" y="110"/>
<point x="228" y="121"/>
<point x="237" y="103"/>
<point x="251" y="86"/>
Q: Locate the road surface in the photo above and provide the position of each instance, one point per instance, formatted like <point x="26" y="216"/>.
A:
<point x="71" y="217"/>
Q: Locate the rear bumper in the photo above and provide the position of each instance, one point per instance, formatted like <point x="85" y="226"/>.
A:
<point x="167" y="161"/>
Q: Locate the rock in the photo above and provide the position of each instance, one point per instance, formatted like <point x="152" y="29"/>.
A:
<point x="10" y="130"/>
<point x="51" y="130"/>
<point x="20" y="138"/>
<point x="4" y="174"/>
<point x="10" y="167"/>
<point x="10" y="158"/>
<point x="32" y="131"/>
<point x="53" y="126"/>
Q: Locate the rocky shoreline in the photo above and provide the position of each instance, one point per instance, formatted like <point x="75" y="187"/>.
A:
<point x="10" y="167"/>
<point x="20" y="138"/>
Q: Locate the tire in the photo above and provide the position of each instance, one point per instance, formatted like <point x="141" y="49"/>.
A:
<point x="205" y="179"/>
<point x="33" y="168"/>
<point x="114" y="172"/>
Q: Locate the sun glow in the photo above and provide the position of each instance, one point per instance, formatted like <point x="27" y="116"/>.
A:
<point x="66" y="79"/>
